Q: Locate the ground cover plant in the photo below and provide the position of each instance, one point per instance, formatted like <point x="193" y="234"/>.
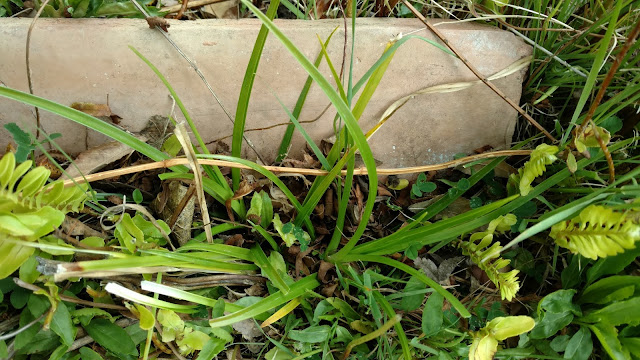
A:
<point x="540" y="263"/>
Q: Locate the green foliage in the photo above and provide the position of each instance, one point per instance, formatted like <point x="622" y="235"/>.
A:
<point x="422" y="186"/>
<point x="111" y="336"/>
<point x="290" y="233"/>
<point x="91" y="8"/>
<point x="261" y="210"/>
<point x="175" y="329"/>
<point x="29" y="209"/>
<point x="137" y="233"/>
<point x="486" y="254"/>
<point x="589" y="137"/>
<point x="597" y="231"/>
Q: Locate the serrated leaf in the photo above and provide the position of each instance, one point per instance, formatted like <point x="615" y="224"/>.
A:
<point x="596" y="232"/>
<point x="22" y="139"/>
<point x="542" y="156"/>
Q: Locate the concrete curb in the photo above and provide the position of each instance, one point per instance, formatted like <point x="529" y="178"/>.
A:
<point x="84" y="60"/>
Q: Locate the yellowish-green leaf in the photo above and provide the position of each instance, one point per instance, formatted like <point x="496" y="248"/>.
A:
<point x="589" y="137"/>
<point x="542" y="156"/>
<point x="147" y="319"/>
<point x="597" y="232"/>
<point x="505" y="327"/>
<point x="572" y="165"/>
<point x="484" y="346"/>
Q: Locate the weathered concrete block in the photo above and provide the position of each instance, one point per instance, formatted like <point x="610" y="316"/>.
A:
<point x="84" y="60"/>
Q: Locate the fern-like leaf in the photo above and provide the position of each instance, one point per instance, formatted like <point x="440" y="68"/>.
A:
<point x="486" y="254"/>
<point x="22" y="190"/>
<point x="597" y="232"/>
<point x="29" y="209"/>
<point x="542" y="156"/>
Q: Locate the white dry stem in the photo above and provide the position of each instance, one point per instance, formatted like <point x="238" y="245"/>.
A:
<point x="183" y="137"/>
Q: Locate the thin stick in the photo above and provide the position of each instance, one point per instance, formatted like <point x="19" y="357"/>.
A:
<point x="34" y="288"/>
<point x="491" y="86"/>
<point x="27" y="52"/>
<point x="183" y="138"/>
<point x="596" y="102"/>
<point x="291" y="170"/>
<point x="607" y="80"/>
<point x="190" y="5"/>
<point x="200" y="74"/>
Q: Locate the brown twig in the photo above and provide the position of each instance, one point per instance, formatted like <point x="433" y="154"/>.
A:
<point x="191" y="4"/>
<point x="607" y="80"/>
<point x="283" y="169"/>
<point x="34" y="288"/>
<point x="27" y="52"/>
<point x="495" y="89"/>
<point x="183" y="7"/>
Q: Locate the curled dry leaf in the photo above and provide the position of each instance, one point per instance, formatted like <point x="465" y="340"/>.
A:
<point x="167" y="203"/>
<point x="75" y="227"/>
<point x="94" y="159"/>
<point x="162" y="23"/>
<point x="97" y="110"/>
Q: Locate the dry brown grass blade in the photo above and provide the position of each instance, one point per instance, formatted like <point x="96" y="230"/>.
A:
<point x="183" y="137"/>
<point x="282" y="169"/>
<point x="495" y="89"/>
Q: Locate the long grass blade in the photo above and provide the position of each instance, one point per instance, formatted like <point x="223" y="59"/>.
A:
<point x="245" y="91"/>
<point x="341" y="107"/>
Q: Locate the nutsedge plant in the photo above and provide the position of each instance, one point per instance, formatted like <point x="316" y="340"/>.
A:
<point x="344" y="268"/>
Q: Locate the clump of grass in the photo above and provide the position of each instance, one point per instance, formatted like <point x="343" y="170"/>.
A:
<point x="378" y="283"/>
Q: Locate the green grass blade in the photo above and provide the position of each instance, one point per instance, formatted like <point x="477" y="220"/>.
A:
<point x="88" y="121"/>
<point x="334" y="73"/>
<point x="276" y="181"/>
<point x="245" y="91"/>
<point x="432" y="233"/>
<point x="220" y="249"/>
<point x="299" y="288"/>
<point x="363" y="80"/>
<point x="131" y="295"/>
<point x="187" y="296"/>
<point x="261" y="260"/>
<point x="418" y="274"/>
<point x="598" y="60"/>
<point x="341" y="107"/>
<point x="265" y="235"/>
<point x="402" y="337"/>
<point x="305" y="135"/>
<point x="294" y="9"/>
<point x="297" y="110"/>
<point x="342" y="207"/>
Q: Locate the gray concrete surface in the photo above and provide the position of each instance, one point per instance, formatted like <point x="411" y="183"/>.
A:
<point x="84" y="60"/>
